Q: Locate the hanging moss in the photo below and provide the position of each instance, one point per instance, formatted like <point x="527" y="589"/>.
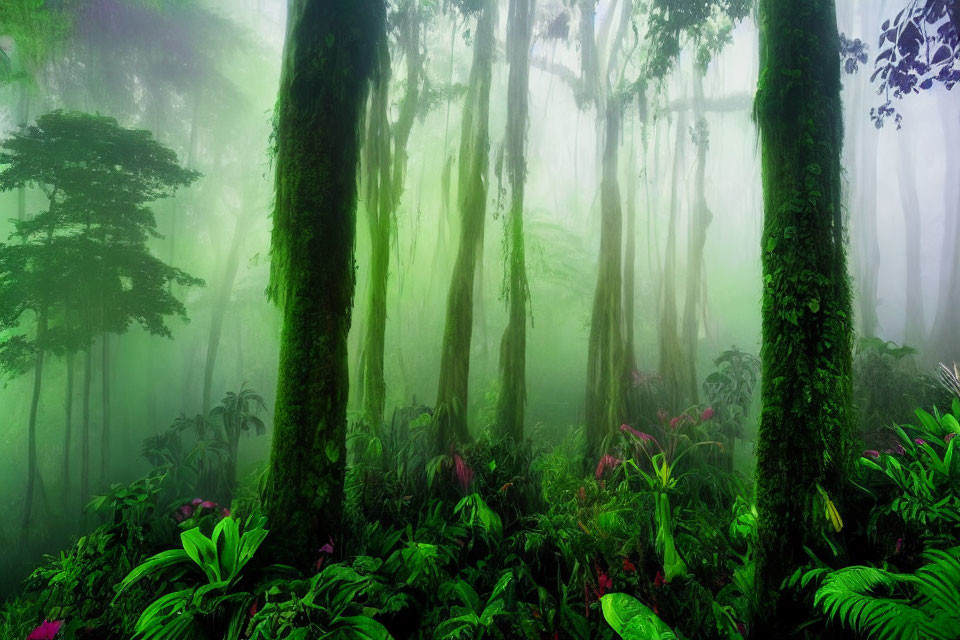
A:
<point x="806" y="433"/>
<point x="474" y="163"/>
<point x="328" y="59"/>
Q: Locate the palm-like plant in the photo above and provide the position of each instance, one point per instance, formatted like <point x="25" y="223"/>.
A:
<point x="882" y="605"/>
<point x="237" y="413"/>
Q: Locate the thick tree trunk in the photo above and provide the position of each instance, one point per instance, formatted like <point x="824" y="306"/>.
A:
<point x="220" y="304"/>
<point x="68" y="427"/>
<point x="32" y="429"/>
<point x="697" y="240"/>
<point x="451" y="406"/>
<point x="945" y="339"/>
<point x="511" y="403"/>
<point x="605" y="356"/>
<point x="328" y="58"/>
<point x="806" y="438"/>
<point x="914" y="329"/>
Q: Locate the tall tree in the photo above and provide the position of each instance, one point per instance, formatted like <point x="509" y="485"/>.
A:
<point x="806" y="434"/>
<point x="513" y="346"/>
<point x="328" y="59"/>
<point x="474" y="164"/>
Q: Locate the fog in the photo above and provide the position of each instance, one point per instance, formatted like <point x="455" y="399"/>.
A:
<point x="204" y="81"/>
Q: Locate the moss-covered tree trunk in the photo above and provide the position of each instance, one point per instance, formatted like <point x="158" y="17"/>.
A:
<point x="451" y="407"/>
<point x="511" y="403"/>
<point x="328" y="58"/>
<point x="605" y="355"/>
<point x="805" y="442"/>
<point x="384" y="180"/>
<point x="697" y="239"/>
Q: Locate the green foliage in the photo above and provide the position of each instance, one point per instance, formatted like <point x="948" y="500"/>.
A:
<point x="633" y="620"/>
<point x="210" y="569"/>
<point x="883" y="605"/>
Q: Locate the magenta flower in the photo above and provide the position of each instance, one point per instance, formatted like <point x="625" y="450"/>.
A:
<point x="897" y="450"/>
<point x="225" y="513"/>
<point x="707" y="414"/>
<point x="606" y="462"/>
<point x="604" y="583"/>
<point x="871" y="453"/>
<point x="949" y="437"/>
<point x="899" y="546"/>
<point x="207" y="504"/>
<point x="197" y="501"/>
<point x="674" y="422"/>
<point x="462" y="472"/>
<point x="327" y="548"/>
<point x="46" y="631"/>
<point x="919" y="441"/>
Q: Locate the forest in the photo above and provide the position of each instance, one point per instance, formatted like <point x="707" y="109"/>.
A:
<point x="463" y="319"/>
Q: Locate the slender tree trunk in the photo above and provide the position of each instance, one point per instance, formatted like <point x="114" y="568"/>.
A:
<point x="914" y="330"/>
<point x="513" y="346"/>
<point x="68" y="427"/>
<point x="605" y="356"/>
<point x="24" y="117"/>
<point x="85" y="427"/>
<point x="806" y="441"/>
<point x="630" y="251"/>
<point x="105" y="409"/>
<point x="671" y="353"/>
<point x="32" y="428"/>
<point x="220" y="304"/>
<point x="945" y="339"/>
<point x="451" y="406"/>
<point x="699" y="222"/>
<point x="328" y="59"/>
<point x="869" y="242"/>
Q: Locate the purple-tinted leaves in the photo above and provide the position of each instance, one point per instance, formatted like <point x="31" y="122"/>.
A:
<point x="941" y="55"/>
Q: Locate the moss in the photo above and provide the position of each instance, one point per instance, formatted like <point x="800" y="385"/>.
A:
<point x="327" y="61"/>
<point x="806" y="433"/>
<point x="472" y="201"/>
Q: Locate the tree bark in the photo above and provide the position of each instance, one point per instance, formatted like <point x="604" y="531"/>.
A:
<point x="105" y="410"/>
<point x="451" y="406"/>
<point x="605" y="356"/>
<point x="806" y="442"/>
<point x="945" y="339"/>
<point x="85" y="427"/>
<point x="511" y="403"/>
<point x="328" y="59"/>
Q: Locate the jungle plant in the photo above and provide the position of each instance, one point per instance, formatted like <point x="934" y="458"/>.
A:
<point x="473" y="616"/>
<point x="884" y="605"/>
<point x="192" y="465"/>
<point x="237" y="413"/>
<point x="210" y="570"/>
<point x="633" y="620"/>
<point x="730" y="391"/>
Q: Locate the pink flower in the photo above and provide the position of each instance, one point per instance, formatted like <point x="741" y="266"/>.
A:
<point x="871" y="453"/>
<point x="897" y="450"/>
<point x="46" y="631"/>
<point x="606" y="462"/>
<point x="197" y="501"/>
<point x="658" y="580"/>
<point x="949" y="437"/>
<point x="899" y="546"/>
<point x="327" y="548"/>
<point x="604" y="583"/>
<point x="707" y="414"/>
<point x="462" y="472"/>
<point x="208" y="505"/>
<point x="919" y="441"/>
<point x="225" y="513"/>
<point x="674" y="422"/>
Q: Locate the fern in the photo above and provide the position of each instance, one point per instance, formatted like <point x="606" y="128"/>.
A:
<point x="883" y="605"/>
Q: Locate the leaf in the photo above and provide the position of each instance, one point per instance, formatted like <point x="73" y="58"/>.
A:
<point x="332" y="450"/>
<point x="632" y="619"/>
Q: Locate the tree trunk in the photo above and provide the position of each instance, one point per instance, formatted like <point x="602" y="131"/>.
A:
<point x="671" y="354"/>
<point x="866" y="213"/>
<point x="945" y="339"/>
<point x="699" y="222"/>
<point x="328" y="59"/>
<point x="105" y="409"/>
<point x="85" y="427"/>
<point x="605" y="356"/>
<point x="806" y="442"/>
<point x="451" y="406"/>
<point x="914" y="330"/>
<point x="220" y="304"/>
<point x="32" y="429"/>
<point x="24" y="117"/>
<point x="68" y="427"/>
<point x="511" y="403"/>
